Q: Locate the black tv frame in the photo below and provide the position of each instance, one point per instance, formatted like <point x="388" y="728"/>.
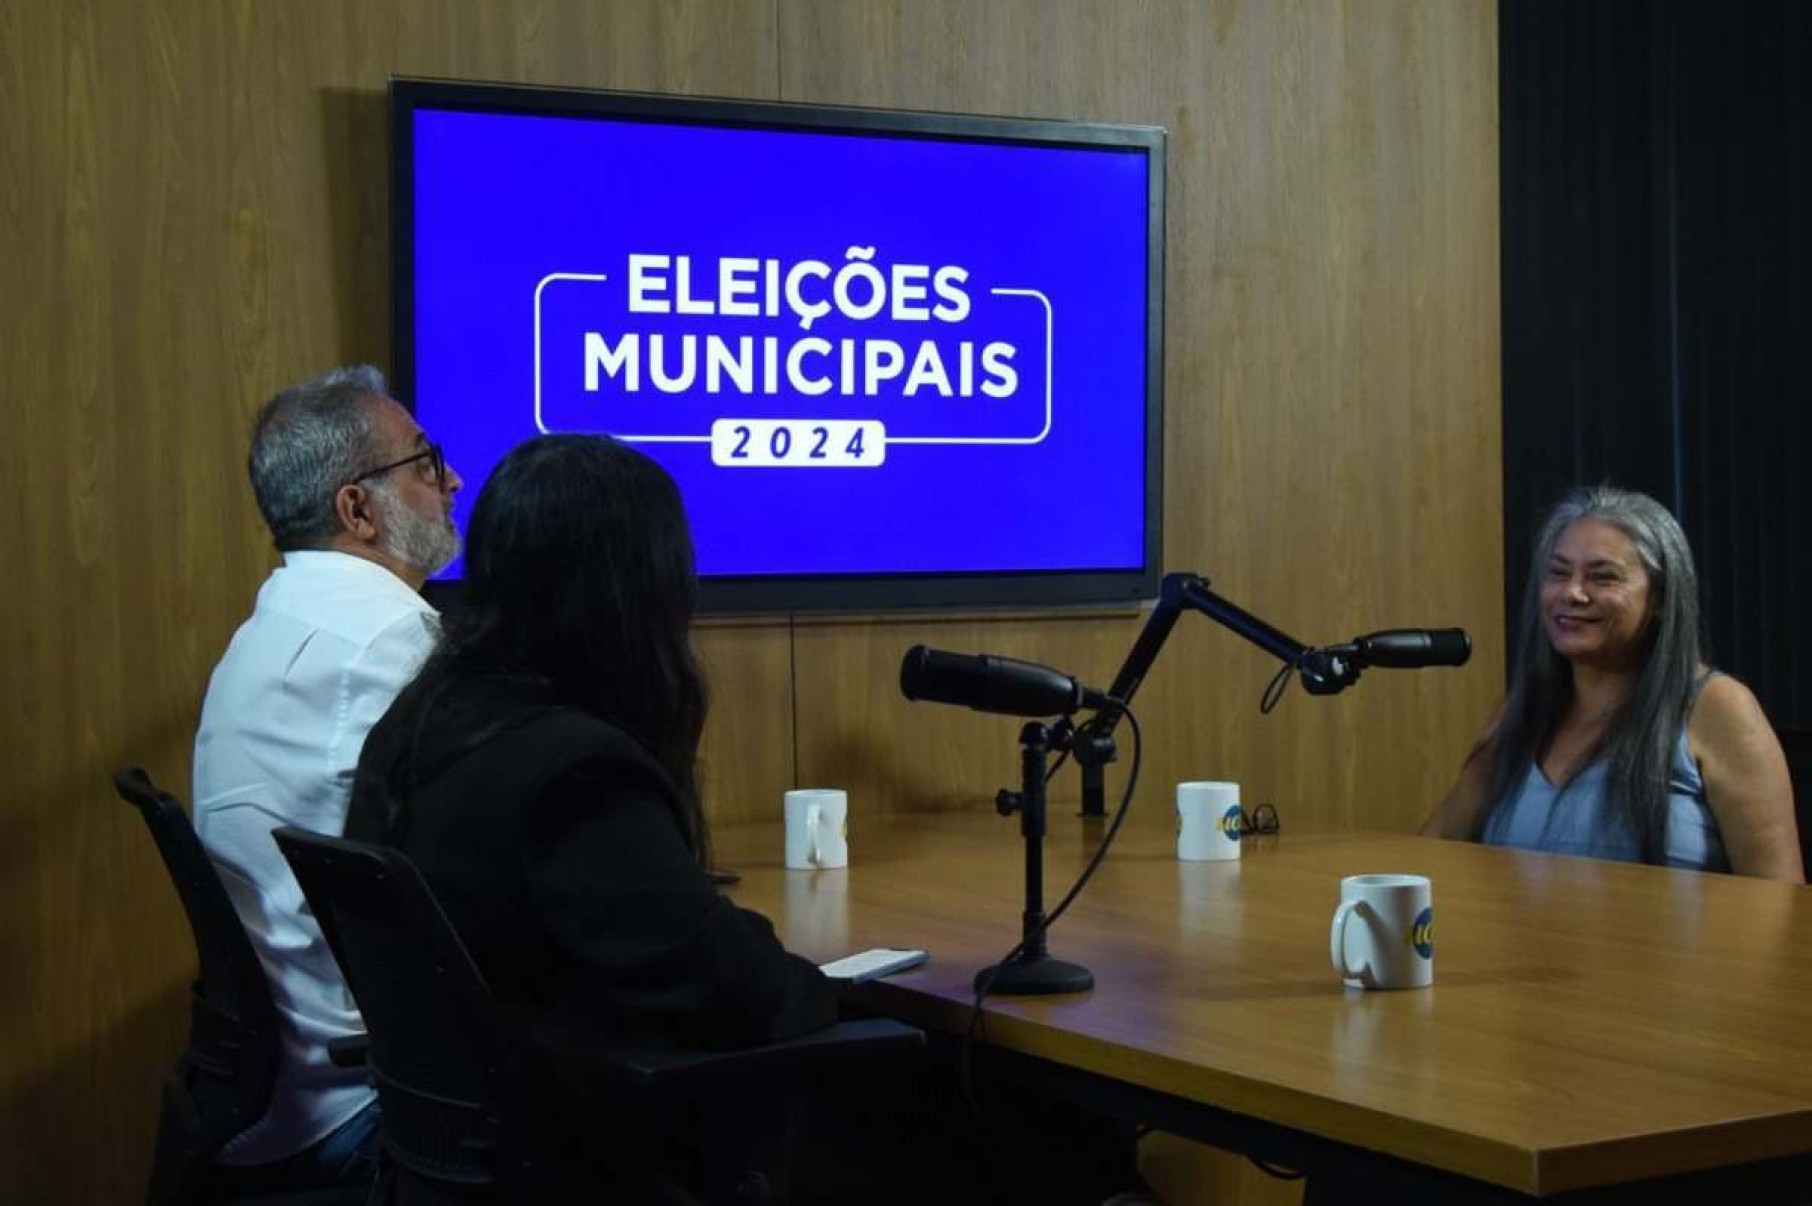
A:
<point x="769" y="594"/>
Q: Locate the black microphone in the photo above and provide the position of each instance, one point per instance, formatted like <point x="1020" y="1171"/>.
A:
<point x="1409" y="648"/>
<point x="993" y="684"/>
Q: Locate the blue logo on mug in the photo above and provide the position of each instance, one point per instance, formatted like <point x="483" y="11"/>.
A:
<point x="1230" y="823"/>
<point x="1421" y="933"/>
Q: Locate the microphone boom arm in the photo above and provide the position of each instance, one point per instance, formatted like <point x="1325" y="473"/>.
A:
<point x="1092" y="745"/>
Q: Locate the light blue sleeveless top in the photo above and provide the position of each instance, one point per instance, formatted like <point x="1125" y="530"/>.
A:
<point x="1572" y="820"/>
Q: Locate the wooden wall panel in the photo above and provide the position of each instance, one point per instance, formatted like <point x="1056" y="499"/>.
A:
<point x="196" y="213"/>
<point x="1331" y="428"/>
<point x="746" y="765"/>
<point x="193" y="212"/>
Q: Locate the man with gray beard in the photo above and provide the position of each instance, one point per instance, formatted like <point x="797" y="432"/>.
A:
<point x="360" y="505"/>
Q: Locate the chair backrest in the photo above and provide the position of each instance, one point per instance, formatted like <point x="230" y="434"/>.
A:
<point x="222" y="1083"/>
<point x="472" y="1095"/>
<point x="1797" y="744"/>
<point x="435" y="1051"/>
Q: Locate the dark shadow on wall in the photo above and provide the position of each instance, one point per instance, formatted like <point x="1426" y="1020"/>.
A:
<point x="79" y="1129"/>
<point x="73" y="860"/>
<point x="356" y="136"/>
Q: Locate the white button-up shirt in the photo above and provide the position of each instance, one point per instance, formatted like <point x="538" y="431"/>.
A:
<point x="331" y="641"/>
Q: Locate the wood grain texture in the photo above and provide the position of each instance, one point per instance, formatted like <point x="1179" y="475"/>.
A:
<point x="1331" y="430"/>
<point x="1590" y="1022"/>
<point x="746" y="763"/>
<point x="1180" y="1171"/>
<point x="194" y="212"/>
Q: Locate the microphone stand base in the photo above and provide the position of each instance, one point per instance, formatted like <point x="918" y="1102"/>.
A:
<point x="1040" y="975"/>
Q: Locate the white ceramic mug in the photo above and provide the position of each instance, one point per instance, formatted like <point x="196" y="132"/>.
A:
<point x="1208" y="821"/>
<point x="815" y="910"/>
<point x="1383" y="931"/>
<point x="817" y="828"/>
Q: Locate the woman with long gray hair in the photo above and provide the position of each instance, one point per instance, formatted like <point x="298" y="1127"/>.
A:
<point x="1617" y="740"/>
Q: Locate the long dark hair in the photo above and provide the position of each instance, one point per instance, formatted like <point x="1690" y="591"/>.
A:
<point x="580" y="585"/>
<point x="1640" y="739"/>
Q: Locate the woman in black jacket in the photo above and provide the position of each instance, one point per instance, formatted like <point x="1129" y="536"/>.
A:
<point x="541" y="768"/>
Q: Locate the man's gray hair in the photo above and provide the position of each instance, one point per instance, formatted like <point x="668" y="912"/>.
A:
<point x="307" y="442"/>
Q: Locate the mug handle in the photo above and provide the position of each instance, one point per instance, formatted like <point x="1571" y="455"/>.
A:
<point x="1337" y="938"/>
<point x="814" y="819"/>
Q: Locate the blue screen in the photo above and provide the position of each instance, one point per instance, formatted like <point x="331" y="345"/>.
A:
<point x="856" y="353"/>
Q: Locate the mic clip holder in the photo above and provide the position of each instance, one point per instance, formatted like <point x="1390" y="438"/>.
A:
<point x="1092" y="746"/>
<point x="1032" y="971"/>
<point x="1326" y="671"/>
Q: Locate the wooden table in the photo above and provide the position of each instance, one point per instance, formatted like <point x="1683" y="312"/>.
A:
<point x="1591" y="1024"/>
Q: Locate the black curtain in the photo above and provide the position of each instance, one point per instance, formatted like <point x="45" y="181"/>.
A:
<point x="1657" y="244"/>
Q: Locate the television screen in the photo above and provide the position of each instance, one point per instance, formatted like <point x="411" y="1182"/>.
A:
<point x="892" y="359"/>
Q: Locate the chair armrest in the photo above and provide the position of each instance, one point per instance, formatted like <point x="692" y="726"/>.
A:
<point x="353" y="1051"/>
<point x="657" y="1066"/>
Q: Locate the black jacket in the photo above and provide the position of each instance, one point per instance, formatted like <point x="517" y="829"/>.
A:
<point x="559" y="850"/>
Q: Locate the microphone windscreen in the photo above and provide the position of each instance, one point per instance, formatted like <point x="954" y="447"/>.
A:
<point x="1449" y="647"/>
<point x="940" y="677"/>
<point x="1409" y="648"/>
<point x="912" y="670"/>
<point x="989" y="683"/>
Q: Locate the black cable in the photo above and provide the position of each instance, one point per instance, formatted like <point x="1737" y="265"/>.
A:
<point x="1280" y="682"/>
<point x="1277" y="1170"/>
<point x="1272" y="696"/>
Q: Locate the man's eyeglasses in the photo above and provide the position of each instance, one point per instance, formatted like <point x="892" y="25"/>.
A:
<point x="437" y="462"/>
<point x="1260" y="821"/>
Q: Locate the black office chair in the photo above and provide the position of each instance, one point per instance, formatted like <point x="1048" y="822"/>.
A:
<point x="473" y="1109"/>
<point x="222" y="1081"/>
<point x="1797" y="744"/>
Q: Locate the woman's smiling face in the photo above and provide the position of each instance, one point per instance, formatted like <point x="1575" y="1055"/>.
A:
<point x="1595" y="598"/>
